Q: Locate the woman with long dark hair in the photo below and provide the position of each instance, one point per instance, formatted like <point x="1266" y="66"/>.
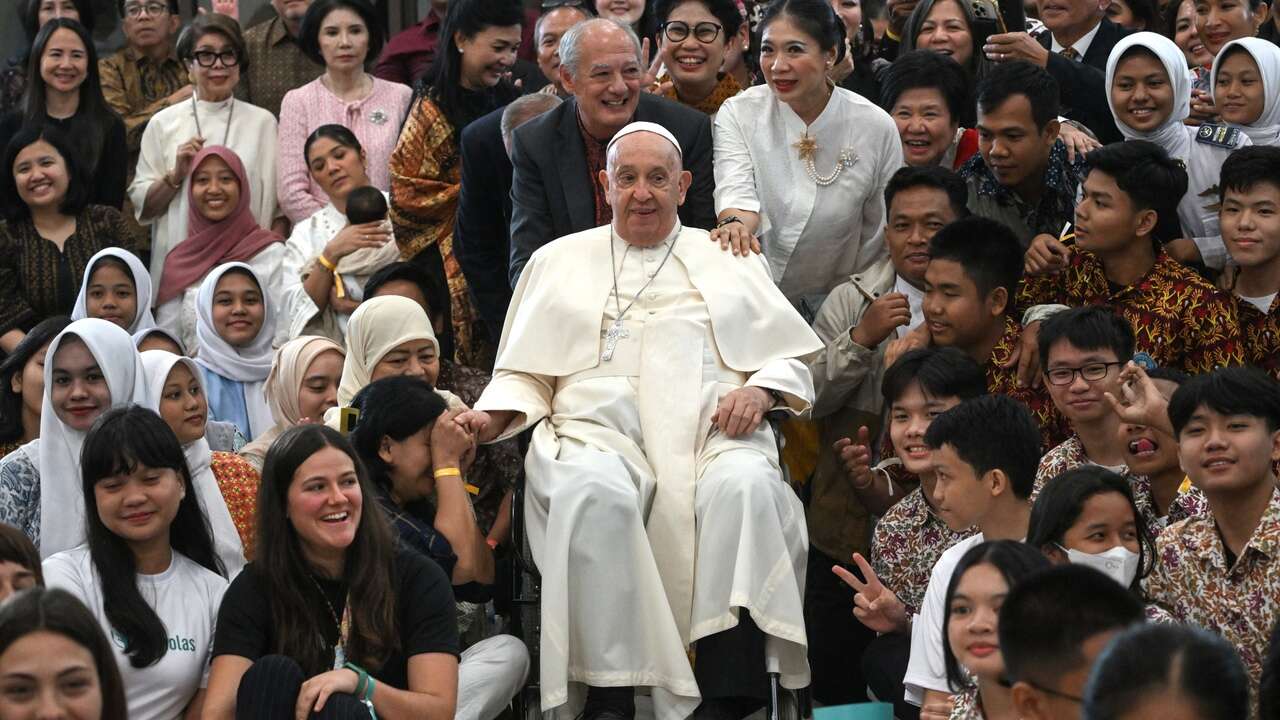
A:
<point x="331" y="614"/>
<point x="64" y="89"/>
<point x="22" y="385"/>
<point x="148" y="572"/>
<point x="32" y="15"/>
<point x="479" y="40"/>
<point x="51" y="645"/>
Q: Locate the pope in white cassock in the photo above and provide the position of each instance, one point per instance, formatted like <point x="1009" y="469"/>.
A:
<point x="646" y="358"/>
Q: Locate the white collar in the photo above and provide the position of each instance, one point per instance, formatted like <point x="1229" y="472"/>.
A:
<point x="1081" y="46"/>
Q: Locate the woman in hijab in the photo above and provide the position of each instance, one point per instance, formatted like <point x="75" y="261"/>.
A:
<point x="1246" y="88"/>
<point x="116" y="288"/>
<point x="158" y="338"/>
<point x="221" y="228"/>
<point x="1149" y="92"/>
<point x="92" y="367"/>
<point x="235" y="323"/>
<point x="226" y="484"/>
<point x="302" y="386"/>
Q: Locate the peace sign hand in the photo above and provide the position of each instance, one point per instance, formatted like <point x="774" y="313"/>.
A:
<point x="875" y="605"/>
<point x="649" y="83"/>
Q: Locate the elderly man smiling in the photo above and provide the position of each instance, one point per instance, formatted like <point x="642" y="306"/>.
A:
<point x="646" y="358"/>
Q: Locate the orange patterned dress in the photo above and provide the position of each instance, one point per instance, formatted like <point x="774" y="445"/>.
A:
<point x="238" y="481"/>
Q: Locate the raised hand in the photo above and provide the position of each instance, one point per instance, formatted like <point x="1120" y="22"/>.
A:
<point x="884" y="315"/>
<point x="856" y="458"/>
<point x="1047" y="255"/>
<point x="875" y="605"/>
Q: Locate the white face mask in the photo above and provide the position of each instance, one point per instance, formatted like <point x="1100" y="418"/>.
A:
<point x="1119" y="563"/>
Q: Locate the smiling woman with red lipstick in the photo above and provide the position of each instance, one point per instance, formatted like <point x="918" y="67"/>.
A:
<point x="977" y="590"/>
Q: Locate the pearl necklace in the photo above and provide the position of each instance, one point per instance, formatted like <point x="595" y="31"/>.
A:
<point x="808" y="149"/>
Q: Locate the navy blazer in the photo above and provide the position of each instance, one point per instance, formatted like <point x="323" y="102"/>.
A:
<point x="1083" y="85"/>
<point x="481" y="236"/>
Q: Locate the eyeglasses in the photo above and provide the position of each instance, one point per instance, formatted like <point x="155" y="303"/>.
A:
<point x="135" y="10"/>
<point x="206" y="58"/>
<point x="553" y="4"/>
<point x="1091" y="373"/>
<point x="676" y="31"/>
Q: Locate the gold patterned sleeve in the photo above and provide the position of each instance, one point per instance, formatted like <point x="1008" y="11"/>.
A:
<point x="424" y="175"/>
<point x="238" y="481"/>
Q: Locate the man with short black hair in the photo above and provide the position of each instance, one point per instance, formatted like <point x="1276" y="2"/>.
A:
<point x="277" y="63"/>
<point x="1052" y="626"/>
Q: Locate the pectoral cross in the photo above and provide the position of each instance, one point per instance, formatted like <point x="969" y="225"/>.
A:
<point x="611" y="337"/>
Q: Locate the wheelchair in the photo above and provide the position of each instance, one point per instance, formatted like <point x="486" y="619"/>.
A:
<point x="526" y="619"/>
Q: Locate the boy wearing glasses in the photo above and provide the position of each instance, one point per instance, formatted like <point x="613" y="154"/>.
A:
<point x="1178" y="318"/>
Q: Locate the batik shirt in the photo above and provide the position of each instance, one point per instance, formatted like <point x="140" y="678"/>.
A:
<point x="1003" y="380"/>
<point x="1260" y="335"/>
<point x="907" y="543"/>
<point x="1194" y="581"/>
<point x="1056" y="207"/>
<point x="1178" y="318"/>
<point x="966" y="705"/>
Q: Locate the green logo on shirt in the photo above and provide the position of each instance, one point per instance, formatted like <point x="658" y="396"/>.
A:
<point x="177" y="643"/>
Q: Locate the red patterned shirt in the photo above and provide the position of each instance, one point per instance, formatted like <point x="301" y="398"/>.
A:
<point x="1178" y="318"/>
<point x="1260" y="333"/>
<point x="238" y="480"/>
<point x="1003" y="380"/>
<point x="1240" y="601"/>
<point x="907" y="543"/>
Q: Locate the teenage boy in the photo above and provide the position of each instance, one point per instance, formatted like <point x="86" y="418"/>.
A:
<point x="1151" y="455"/>
<point x="1249" y="190"/>
<point x="980" y="484"/>
<point x="1052" y="626"/>
<point x="1222" y="571"/>
<point x="1178" y="318"/>
<point x="974" y="268"/>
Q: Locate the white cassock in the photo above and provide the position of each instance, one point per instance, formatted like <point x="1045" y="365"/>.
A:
<point x="649" y="527"/>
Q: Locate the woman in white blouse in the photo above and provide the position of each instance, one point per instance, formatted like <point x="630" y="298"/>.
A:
<point x="214" y="51"/>
<point x="325" y="244"/>
<point x="802" y="164"/>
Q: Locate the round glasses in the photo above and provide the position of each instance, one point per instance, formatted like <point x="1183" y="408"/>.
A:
<point x="206" y="58"/>
<point x="1091" y="373"/>
<point x="704" y="32"/>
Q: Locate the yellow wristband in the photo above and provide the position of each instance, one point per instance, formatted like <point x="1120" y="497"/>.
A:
<point x="448" y="472"/>
<point x="471" y="489"/>
<point x="891" y="35"/>
<point x="326" y="263"/>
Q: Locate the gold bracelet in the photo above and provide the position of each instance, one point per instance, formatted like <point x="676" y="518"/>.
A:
<point x="448" y="472"/>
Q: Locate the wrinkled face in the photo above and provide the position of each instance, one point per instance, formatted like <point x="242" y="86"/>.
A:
<point x="1239" y="92"/>
<point x="238" y="309"/>
<point x="415" y="358"/>
<point x="909" y="418"/>
<point x="219" y="80"/>
<point x="183" y="405"/>
<point x="148" y="23"/>
<point x="945" y="30"/>
<point x="139" y="506"/>
<point x="291" y="10"/>
<point x="1067" y="17"/>
<point x="1106" y="521"/>
<point x="409" y="461"/>
<point x="914" y="217"/>
<point x="111" y="294"/>
<point x="1082" y="401"/>
<point x="1141" y="92"/>
<point x="324" y="502"/>
<point x="488" y="55"/>
<point x="1227" y="453"/>
<point x="1221" y="21"/>
<point x="14" y="578"/>
<point x="962" y="498"/>
<point x="1250" y="221"/>
<point x="925" y="125"/>
<point x="956" y="313"/>
<point x="1014" y="148"/>
<point x="793" y="63"/>
<point x="1187" y="38"/>
<point x="79" y="393"/>
<point x="606" y="81"/>
<point x="215" y="189"/>
<point x="625" y="11"/>
<point x="319" y="390"/>
<point x="645" y="187"/>
<point x="30" y="383"/>
<point x="850" y="13"/>
<point x="1150" y="451"/>
<point x="973" y="621"/>
<point x="337" y="169"/>
<point x="40" y="172"/>
<point x="48" y="675"/>
<point x="1106" y="219"/>
<point x="1121" y="14"/>
<point x="554" y="25"/>
<point x="344" y="40"/>
<point x="65" y="62"/>
<point x="692" y="61"/>
<point x="50" y="9"/>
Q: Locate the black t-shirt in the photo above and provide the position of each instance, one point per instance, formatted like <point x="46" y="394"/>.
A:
<point x="426" y="615"/>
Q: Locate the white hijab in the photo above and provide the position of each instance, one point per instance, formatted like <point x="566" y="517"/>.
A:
<point x="157" y="364"/>
<point x="57" y="459"/>
<point x="142" y="319"/>
<point x="1172" y="135"/>
<point x="1266" y="129"/>
<point x="248" y="365"/>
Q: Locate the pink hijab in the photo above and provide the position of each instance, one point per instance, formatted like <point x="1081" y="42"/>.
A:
<point x="236" y="238"/>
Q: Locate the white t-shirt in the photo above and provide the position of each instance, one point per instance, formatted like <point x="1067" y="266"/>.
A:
<point x="185" y="596"/>
<point x="927" y="668"/>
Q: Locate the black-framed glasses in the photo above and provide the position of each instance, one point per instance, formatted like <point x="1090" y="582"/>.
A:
<point x="553" y="4"/>
<point x="206" y="58"/>
<point x="1091" y="373"/>
<point x="154" y="9"/>
<point x="704" y="32"/>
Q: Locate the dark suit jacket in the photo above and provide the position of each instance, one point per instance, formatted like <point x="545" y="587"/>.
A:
<point x="481" y="239"/>
<point x="1083" y="85"/>
<point x="551" y="195"/>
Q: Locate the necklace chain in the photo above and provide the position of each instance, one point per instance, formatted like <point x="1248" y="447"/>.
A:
<point x="613" y="264"/>
<point x="195" y="113"/>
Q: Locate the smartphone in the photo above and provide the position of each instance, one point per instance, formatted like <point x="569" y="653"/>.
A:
<point x="1014" y="15"/>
